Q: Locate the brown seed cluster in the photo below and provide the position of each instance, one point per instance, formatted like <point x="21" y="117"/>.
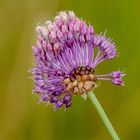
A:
<point x="81" y="80"/>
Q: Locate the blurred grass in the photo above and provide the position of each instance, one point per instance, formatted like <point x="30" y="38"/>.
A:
<point x="21" y="118"/>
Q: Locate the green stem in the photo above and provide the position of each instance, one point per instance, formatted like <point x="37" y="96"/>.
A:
<point x="103" y="116"/>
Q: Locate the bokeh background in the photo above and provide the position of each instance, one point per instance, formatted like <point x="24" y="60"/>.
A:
<point x="22" y="119"/>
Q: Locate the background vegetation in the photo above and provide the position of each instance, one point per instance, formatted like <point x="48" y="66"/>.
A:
<point x="22" y="119"/>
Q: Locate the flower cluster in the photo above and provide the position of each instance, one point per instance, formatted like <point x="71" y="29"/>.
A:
<point x="65" y="60"/>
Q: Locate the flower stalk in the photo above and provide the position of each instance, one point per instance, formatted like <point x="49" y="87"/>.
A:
<point x="103" y="116"/>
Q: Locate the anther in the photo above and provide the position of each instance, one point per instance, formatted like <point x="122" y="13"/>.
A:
<point x="67" y="81"/>
<point x="76" y="90"/>
<point x="85" y="77"/>
<point x="69" y="86"/>
<point x="75" y="83"/>
<point x="88" y="68"/>
<point x="87" y="85"/>
<point x="80" y="85"/>
<point x="83" y="68"/>
<point x="87" y="72"/>
<point x="72" y="78"/>
<point x="77" y="71"/>
<point x="78" y="78"/>
<point x="82" y="72"/>
<point x="91" y="76"/>
<point x="73" y="72"/>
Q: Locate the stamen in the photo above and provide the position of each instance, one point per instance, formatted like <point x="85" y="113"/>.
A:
<point x="75" y="83"/>
<point x="69" y="86"/>
<point x="76" y="90"/>
<point x="84" y="77"/>
<point x="80" y="85"/>
<point x="87" y="85"/>
<point x="81" y="80"/>
<point x="67" y="81"/>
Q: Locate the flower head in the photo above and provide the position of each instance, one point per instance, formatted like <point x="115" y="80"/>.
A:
<point x="65" y="59"/>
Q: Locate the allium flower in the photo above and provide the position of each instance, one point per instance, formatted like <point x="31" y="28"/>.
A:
<point x="66" y="59"/>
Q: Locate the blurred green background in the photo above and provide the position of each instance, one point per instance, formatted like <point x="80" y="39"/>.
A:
<point x="22" y="119"/>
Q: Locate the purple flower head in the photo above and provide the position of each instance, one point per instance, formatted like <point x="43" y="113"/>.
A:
<point x="117" y="77"/>
<point x="65" y="59"/>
